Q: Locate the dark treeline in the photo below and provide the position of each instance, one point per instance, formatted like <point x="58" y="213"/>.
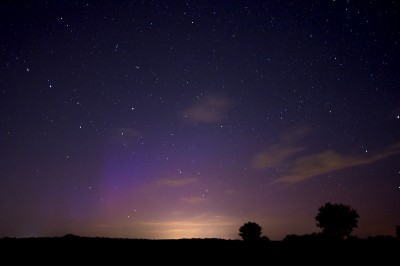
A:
<point x="334" y="244"/>
<point x="293" y="248"/>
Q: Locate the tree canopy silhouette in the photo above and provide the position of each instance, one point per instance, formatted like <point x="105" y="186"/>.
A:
<point x="250" y="231"/>
<point x="337" y="220"/>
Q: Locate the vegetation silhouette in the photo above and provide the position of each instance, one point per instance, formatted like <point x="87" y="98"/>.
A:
<point x="381" y="249"/>
<point x="337" y="220"/>
<point x="250" y="231"/>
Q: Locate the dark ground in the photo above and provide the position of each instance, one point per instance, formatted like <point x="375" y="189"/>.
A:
<point x="77" y="250"/>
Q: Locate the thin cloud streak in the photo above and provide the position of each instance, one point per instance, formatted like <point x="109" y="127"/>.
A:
<point x="279" y="153"/>
<point x="275" y="156"/>
<point x="175" y="182"/>
<point x="303" y="167"/>
<point x="325" y="162"/>
<point x="210" y="109"/>
<point x="194" y="200"/>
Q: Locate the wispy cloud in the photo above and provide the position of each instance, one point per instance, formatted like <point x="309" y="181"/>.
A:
<point x="328" y="161"/>
<point x="209" y="109"/>
<point x="175" y="182"/>
<point x="230" y="192"/>
<point x="303" y="167"/>
<point x="194" y="199"/>
<point x="275" y="155"/>
<point x="279" y="153"/>
<point x="125" y="135"/>
<point x="126" y="132"/>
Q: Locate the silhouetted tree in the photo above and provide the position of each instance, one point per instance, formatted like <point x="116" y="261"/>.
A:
<point x="71" y="236"/>
<point x="337" y="220"/>
<point x="265" y="239"/>
<point x="398" y="232"/>
<point x="303" y="238"/>
<point x="250" y="231"/>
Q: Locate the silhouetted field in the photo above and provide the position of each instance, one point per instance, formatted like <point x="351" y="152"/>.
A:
<point x="196" y="251"/>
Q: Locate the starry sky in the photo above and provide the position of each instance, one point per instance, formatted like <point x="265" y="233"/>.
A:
<point x="186" y="119"/>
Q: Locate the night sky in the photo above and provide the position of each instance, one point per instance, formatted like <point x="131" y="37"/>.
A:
<point x="186" y="119"/>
